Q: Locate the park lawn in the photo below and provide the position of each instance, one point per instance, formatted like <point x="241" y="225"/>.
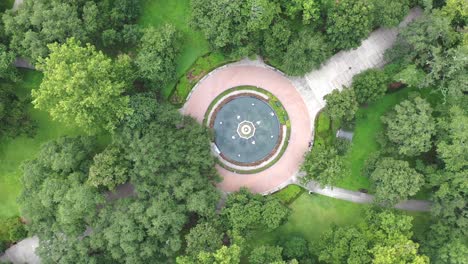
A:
<point x="311" y="216"/>
<point x="14" y="151"/>
<point x="367" y="128"/>
<point x="314" y="214"/>
<point x="193" y="45"/>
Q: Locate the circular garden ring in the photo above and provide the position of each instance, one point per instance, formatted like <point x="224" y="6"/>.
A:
<point x="251" y="128"/>
<point x="220" y="82"/>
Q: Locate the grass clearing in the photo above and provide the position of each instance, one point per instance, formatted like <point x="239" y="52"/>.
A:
<point x="193" y="44"/>
<point x="14" y="151"/>
<point x="313" y="214"/>
<point x="200" y="68"/>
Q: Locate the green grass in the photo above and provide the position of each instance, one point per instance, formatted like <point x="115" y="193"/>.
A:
<point x="193" y="44"/>
<point x="311" y="216"/>
<point x="314" y="214"/>
<point x="289" y="194"/>
<point x="368" y="126"/>
<point x="200" y="68"/>
<point x="14" y="151"/>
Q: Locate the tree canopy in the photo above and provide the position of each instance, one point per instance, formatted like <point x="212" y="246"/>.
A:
<point x="38" y="23"/>
<point x="348" y="23"/>
<point x="83" y="86"/>
<point x="341" y="105"/>
<point x="383" y="237"/>
<point x="369" y="85"/>
<point x="156" y="55"/>
<point x="394" y="181"/>
<point x="411" y="126"/>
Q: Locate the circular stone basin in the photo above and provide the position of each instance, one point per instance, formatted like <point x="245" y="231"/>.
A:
<point x="246" y="130"/>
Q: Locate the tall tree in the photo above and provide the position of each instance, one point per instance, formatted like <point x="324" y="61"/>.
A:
<point x="369" y="85"/>
<point x="383" y="237"/>
<point x="233" y="25"/>
<point x="453" y="135"/>
<point x="265" y="254"/>
<point x="348" y="23"/>
<point x="110" y="168"/>
<point x="7" y="58"/>
<point x="14" y="118"/>
<point x="389" y="14"/>
<point x="245" y="212"/>
<point x="305" y="52"/>
<point x="308" y="10"/>
<point x="156" y="55"/>
<point x="410" y="126"/>
<point x="83" y="86"/>
<point x="394" y="181"/>
<point x="55" y="198"/>
<point x="341" y="105"/>
<point x="38" y="23"/>
<point x="203" y="237"/>
<point x="324" y="165"/>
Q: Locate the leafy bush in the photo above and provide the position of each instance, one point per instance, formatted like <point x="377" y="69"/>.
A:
<point x="200" y="68"/>
<point x="369" y="85"/>
<point x="11" y="230"/>
<point x="289" y="194"/>
<point x="295" y="247"/>
<point x="342" y="145"/>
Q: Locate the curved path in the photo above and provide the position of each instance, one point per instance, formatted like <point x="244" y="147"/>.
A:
<point x="273" y="81"/>
<point x="363" y="198"/>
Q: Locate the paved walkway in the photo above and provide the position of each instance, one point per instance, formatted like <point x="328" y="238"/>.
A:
<point x="22" y="252"/>
<point x="339" y="70"/>
<point x="16" y="4"/>
<point x="364" y="198"/>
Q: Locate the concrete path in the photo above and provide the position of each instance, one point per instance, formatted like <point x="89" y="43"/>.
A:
<point x="22" y="252"/>
<point x="339" y="70"/>
<point x="364" y="198"/>
<point x="16" y="4"/>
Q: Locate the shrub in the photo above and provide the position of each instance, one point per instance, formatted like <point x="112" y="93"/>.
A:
<point x="289" y="194"/>
<point x="295" y="248"/>
<point x="369" y="85"/>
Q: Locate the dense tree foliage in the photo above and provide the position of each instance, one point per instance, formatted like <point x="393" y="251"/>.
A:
<point x="156" y="55"/>
<point x="7" y="70"/>
<point x="411" y="126"/>
<point x="14" y="118"/>
<point x="84" y="87"/>
<point x="383" y="237"/>
<point x="369" y="85"/>
<point x="246" y="212"/>
<point x="389" y="13"/>
<point x="453" y="135"/>
<point x="341" y="105"/>
<point x="308" y="10"/>
<point x="38" y="23"/>
<point x="11" y="231"/>
<point x="305" y="52"/>
<point x="295" y="247"/>
<point x="265" y="254"/>
<point x="203" y="237"/>
<point x="110" y="168"/>
<point x="324" y="165"/>
<point x="394" y="181"/>
<point x="233" y="25"/>
<point x="54" y="198"/>
<point x="224" y="255"/>
<point x="348" y="23"/>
